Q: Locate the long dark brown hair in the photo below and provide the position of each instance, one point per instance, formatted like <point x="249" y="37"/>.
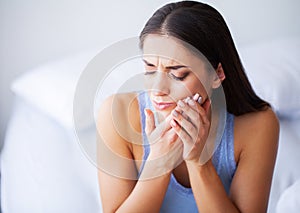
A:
<point x="203" y="27"/>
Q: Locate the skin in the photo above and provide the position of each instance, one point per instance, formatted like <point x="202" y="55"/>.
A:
<point x="255" y="154"/>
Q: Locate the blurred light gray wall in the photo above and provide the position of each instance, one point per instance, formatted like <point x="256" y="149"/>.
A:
<point x="36" y="31"/>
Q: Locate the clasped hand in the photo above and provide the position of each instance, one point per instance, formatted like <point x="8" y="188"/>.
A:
<point x="183" y="133"/>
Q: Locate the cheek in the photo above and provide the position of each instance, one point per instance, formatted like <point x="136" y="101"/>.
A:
<point x="192" y="87"/>
<point x="202" y="85"/>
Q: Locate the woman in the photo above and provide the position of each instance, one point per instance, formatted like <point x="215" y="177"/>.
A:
<point x="237" y="178"/>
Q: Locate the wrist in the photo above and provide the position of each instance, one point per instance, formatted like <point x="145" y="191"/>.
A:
<point x="192" y="165"/>
<point x="154" y="169"/>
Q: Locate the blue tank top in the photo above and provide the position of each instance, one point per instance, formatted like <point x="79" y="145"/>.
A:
<point x="179" y="198"/>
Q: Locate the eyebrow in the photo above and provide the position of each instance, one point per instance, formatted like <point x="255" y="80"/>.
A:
<point x="176" y="67"/>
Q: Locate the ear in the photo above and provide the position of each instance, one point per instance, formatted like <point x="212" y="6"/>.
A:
<point x="219" y="77"/>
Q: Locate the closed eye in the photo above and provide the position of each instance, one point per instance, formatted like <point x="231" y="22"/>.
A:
<point x="150" y="69"/>
<point x="149" y="72"/>
<point x="178" y="78"/>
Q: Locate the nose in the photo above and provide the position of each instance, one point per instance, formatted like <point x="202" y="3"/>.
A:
<point x="160" y="84"/>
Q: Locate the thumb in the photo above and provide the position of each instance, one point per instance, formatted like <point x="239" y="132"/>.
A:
<point x="150" y="122"/>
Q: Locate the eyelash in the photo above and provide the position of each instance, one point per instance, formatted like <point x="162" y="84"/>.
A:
<point x="170" y="74"/>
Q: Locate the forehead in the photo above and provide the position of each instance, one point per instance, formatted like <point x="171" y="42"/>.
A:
<point x="170" y="50"/>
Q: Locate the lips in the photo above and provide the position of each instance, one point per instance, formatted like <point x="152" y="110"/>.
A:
<point x="162" y="105"/>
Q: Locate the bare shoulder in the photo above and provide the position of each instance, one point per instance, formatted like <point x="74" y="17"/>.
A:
<point x="266" y="119"/>
<point x="118" y="101"/>
<point x="119" y="107"/>
<point x="255" y="147"/>
<point x="256" y="130"/>
<point x="118" y="120"/>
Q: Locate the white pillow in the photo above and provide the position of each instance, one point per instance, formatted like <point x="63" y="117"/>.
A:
<point x="274" y="72"/>
<point x="51" y="86"/>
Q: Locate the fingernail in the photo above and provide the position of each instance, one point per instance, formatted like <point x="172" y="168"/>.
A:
<point x="191" y="102"/>
<point x="181" y="104"/>
<point x="199" y="100"/>
<point x="196" y="96"/>
<point x="186" y="100"/>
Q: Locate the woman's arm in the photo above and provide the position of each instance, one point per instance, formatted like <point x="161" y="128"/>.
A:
<point x="258" y="136"/>
<point x="251" y="183"/>
<point x="256" y="140"/>
<point x="208" y="190"/>
<point x="119" y="194"/>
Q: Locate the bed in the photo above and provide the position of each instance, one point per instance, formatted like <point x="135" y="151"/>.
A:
<point x="45" y="169"/>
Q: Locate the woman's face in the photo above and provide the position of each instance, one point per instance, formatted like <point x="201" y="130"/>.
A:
<point x="172" y="73"/>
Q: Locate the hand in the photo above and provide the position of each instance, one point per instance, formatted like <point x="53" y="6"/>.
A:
<point x="165" y="145"/>
<point x="191" y="123"/>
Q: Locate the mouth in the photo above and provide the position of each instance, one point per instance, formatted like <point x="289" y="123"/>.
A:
<point x="163" y="105"/>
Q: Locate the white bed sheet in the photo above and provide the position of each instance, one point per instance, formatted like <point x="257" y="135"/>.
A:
<point x="43" y="168"/>
<point x="287" y="170"/>
<point x="290" y="199"/>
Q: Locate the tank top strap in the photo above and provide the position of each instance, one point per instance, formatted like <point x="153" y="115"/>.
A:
<point x="223" y="158"/>
<point x="144" y="102"/>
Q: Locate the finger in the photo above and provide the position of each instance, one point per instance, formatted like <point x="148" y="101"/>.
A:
<point x="197" y="98"/>
<point x="206" y="105"/>
<point x="183" y="135"/>
<point x="186" y="100"/>
<point x="164" y="125"/>
<point x="190" y="128"/>
<point x="194" y="101"/>
<point x="150" y="121"/>
<point x="187" y="142"/>
<point x="204" y="111"/>
<point x="184" y="115"/>
<point x="171" y="136"/>
<point x="161" y="129"/>
<point x="188" y="112"/>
